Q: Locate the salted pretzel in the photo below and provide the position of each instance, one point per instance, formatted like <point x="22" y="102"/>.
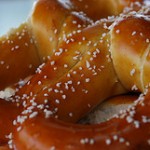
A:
<point x="129" y="130"/>
<point x="20" y="43"/>
<point x="75" y="68"/>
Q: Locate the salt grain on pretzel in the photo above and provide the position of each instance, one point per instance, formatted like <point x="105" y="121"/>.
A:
<point x="83" y="63"/>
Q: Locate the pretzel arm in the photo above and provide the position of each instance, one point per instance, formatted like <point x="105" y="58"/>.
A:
<point x="18" y="56"/>
<point x="6" y="119"/>
<point x="119" y="132"/>
<point x="97" y="9"/>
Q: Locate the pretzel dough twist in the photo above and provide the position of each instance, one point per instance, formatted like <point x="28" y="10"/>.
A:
<point x="76" y="67"/>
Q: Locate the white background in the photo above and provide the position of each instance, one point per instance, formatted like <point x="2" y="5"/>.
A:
<point x="13" y="12"/>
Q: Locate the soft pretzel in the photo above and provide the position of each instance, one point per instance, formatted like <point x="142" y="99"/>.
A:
<point x="80" y="77"/>
<point x="78" y="72"/>
<point x="129" y="130"/>
<point x="92" y="64"/>
<point x="37" y="38"/>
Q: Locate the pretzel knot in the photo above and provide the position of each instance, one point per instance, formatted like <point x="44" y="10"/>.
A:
<point x="68" y="57"/>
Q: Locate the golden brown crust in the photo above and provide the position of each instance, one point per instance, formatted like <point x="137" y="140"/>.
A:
<point x="97" y="9"/>
<point x="4" y="148"/>
<point x="79" y="78"/>
<point x="46" y="26"/>
<point x="8" y="112"/>
<point x="127" y="131"/>
<point x="129" y="55"/>
<point x="77" y="73"/>
<point x="18" y="56"/>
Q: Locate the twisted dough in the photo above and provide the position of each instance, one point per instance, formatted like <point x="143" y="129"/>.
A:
<point x="97" y="9"/>
<point x="130" y="130"/>
<point x="135" y="70"/>
<point x="45" y="27"/>
<point x="77" y="67"/>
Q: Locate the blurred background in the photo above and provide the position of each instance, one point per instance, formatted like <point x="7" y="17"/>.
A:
<point x="13" y="12"/>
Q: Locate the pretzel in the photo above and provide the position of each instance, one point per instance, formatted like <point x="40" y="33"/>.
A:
<point x="20" y="43"/>
<point x="75" y="68"/>
<point x="129" y="130"/>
